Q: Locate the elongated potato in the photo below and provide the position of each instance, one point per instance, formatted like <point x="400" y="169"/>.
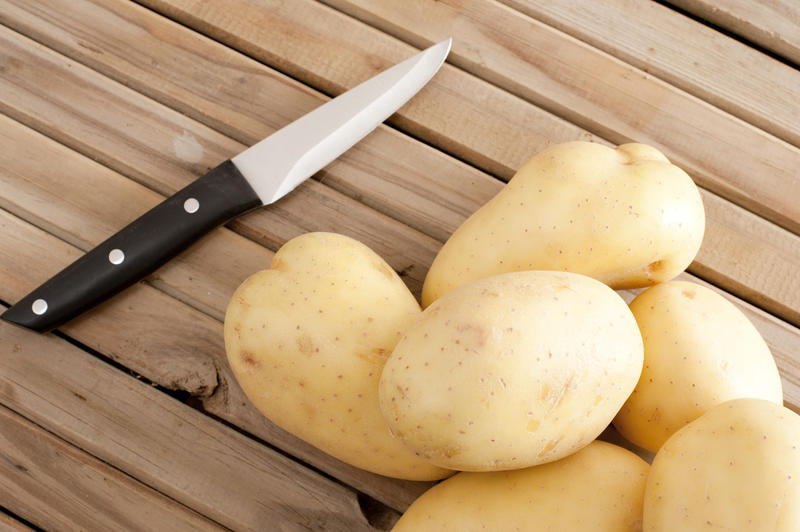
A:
<point x="736" y="467"/>
<point x="624" y="216"/>
<point x="599" y="488"/>
<point x="699" y="351"/>
<point x="511" y="371"/>
<point x="307" y="340"/>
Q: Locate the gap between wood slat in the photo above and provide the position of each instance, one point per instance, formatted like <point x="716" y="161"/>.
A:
<point x="11" y="522"/>
<point x="781" y="34"/>
<point x="739" y="37"/>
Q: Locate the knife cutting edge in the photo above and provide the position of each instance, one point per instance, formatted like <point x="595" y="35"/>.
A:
<point x="260" y="175"/>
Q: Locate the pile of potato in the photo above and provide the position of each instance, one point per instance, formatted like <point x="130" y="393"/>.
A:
<point x="524" y="354"/>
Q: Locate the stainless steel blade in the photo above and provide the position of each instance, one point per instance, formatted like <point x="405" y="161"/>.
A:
<point x="280" y="162"/>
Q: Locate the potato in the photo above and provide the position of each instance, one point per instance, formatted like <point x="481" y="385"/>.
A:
<point x="599" y="488"/>
<point x="699" y="351"/>
<point x="736" y="467"/>
<point x="307" y="340"/>
<point x="624" y="216"/>
<point x="511" y="371"/>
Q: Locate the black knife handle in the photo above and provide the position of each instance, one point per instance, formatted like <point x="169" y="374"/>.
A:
<point x="138" y="249"/>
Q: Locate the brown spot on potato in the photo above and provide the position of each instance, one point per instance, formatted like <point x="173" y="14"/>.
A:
<point x="549" y="447"/>
<point x="277" y="264"/>
<point x="688" y="293"/>
<point x="384" y="269"/>
<point x="655" y="416"/>
<point x="304" y="344"/>
<point x="249" y="359"/>
<point x="655" y="267"/>
<point x="450" y="451"/>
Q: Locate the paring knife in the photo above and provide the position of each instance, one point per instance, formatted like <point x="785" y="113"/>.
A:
<point x="260" y="175"/>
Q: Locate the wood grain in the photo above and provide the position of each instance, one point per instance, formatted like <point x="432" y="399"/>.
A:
<point x="146" y="141"/>
<point x="685" y="53"/>
<point x="59" y="487"/>
<point x="773" y="24"/>
<point x="163" y="339"/>
<point x="527" y="58"/>
<point x="9" y="524"/>
<point x="164" y="443"/>
<point x="426" y="189"/>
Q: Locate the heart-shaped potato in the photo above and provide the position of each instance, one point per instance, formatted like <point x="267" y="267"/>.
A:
<point x="307" y="340"/>
<point x="512" y="371"/>
<point x="624" y="216"/>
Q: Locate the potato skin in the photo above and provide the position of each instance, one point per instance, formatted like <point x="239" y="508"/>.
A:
<point x="600" y="488"/>
<point x="624" y="216"/>
<point x="736" y="467"/>
<point x="511" y="371"/>
<point x="699" y="351"/>
<point x="307" y="340"/>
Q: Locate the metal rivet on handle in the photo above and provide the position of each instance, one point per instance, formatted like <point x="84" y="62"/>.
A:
<point x="116" y="256"/>
<point x="39" y="307"/>
<point x="191" y="205"/>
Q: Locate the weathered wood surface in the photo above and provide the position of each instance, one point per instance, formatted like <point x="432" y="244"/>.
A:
<point x="685" y="53"/>
<point x="106" y="106"/>
<point x="773" y="24"/>
<point x="59" y="487"/>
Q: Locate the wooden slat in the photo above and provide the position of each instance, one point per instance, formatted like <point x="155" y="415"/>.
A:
<point x="156" y="336"/>
<point x="426" y="189"/>
<point x="164" y="443"/>
<point x="775" y="24"/>
<point x="686" y="54"/>
<point x="469" y="117"/>
<point x="148" y="141"/>
<point x="60" y="487"/>
<point x="9" y="524"/>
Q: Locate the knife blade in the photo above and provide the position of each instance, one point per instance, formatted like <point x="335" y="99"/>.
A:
<point x="258" y="176"/>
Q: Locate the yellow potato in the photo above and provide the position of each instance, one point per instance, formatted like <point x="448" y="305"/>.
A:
<point x="511" y="371"/>
<point x="626" y="217"/>
<point x="307" y="340"/>
<point x="736" y="467"/>
<point x="599" y="488"/>
<point x="699" y="351"/>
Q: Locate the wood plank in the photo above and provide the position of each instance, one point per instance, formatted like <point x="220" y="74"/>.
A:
<point x="9" y="524"/>
<point x="466" y="116"/>
<point x="775" y="24"/>
<point x="157" y="337"/>
<point x="426" y="189"/>
<point x="60" y="487"/>
<point x="147" y="141"/>
<point x="164" y="443"/>
<point x="686" y="54"/>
